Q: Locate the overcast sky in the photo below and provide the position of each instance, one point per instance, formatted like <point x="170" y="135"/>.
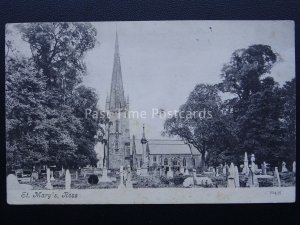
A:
<point x="163" y="61"/>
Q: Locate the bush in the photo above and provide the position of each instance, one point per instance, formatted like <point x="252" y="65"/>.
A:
<point x="165" y="180"/>
<point x="178" y="180"/>
<point x="93" y="179"/>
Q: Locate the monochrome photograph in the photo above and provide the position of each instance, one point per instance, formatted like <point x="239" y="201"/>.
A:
<point x="150" y="112"/>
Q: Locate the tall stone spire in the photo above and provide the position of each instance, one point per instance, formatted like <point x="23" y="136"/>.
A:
<point x="117" y="100"/>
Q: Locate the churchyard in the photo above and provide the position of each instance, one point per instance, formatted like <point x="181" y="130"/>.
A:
<point x="246" y="175"/>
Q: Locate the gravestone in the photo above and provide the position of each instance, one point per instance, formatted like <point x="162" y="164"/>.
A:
<point x="13" y="183"/>
<point x="246" y="165"/>
<point x="214" y="171"/>
<point x="294" y="167"/>
<point x="188" y="182"/>
<point x="230" y="181"/>
<point x="277" y="176"/>
<point x="68" y="180"/>
<point x="253" y="166"/>
<point x="48" y="185"/>
<point x="186" y="172"/>
<point x="104" y="177"/>
<point x="62" y="171"/>
<point x="138" y="171"/>
<point x="283" y="168"/>
<point x="170" y="173"/>
<point x="217" y="172"/>
<point x="160" y="172"/>
<point x="51" y="176"/>
<point x="236" y="177"/>
<point x="181" y="170"/>
<point x="121" y="185"/>
<point x="264" y="168"/>
<point x="224" y="170"/>
<point x="76" y="175"/>
<point x="128" y="183"/>
<point x="35" y="175"/>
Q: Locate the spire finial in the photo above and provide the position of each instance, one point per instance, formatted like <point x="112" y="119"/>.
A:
<point x="144" y="140"/>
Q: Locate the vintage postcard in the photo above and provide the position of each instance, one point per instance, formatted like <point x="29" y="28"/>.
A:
<point x="153" y="112"/>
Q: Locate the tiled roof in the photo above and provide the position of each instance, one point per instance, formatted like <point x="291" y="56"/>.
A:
<point x="165" y="146"/>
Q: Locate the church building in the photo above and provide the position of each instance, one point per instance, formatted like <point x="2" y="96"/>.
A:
<point x="143" y="153"/>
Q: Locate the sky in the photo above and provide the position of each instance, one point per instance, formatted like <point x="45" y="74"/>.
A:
<point x="162" y="61"/>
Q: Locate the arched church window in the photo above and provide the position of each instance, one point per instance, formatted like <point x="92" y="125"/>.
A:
<point x="154" y="158"/>
<point x="165" y="161"/>
<point x="175" y="162"/>
<point x="194" y="162"/>
<point x="184" y="162"/>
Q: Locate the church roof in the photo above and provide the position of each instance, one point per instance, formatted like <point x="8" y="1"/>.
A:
<point x="117" y="98"/>
<point x="166" y="147"/>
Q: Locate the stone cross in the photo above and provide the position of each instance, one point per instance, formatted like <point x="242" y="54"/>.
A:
<point x="51" y="176"/>
<point x="68" y="180"/>
<point x="283" y="168"/>
<point x="277" y="176"/>
<point x="48" y="185"/>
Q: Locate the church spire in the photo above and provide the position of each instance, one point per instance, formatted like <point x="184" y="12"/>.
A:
<point x="144" y="140"/>
<point x="117" y="100"/>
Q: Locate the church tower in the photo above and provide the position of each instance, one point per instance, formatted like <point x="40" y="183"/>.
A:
<point x="117" y="107"/>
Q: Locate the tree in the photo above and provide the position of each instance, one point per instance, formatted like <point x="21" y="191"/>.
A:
<point x="259" y="110"/>
<point x="288" y="118"/>
<point x="243" y="73"/>
<point x="58" y="49"/>
<point x="43" y="123"/>
<point x="200" y="122"/>
<point x="24" y="112"/>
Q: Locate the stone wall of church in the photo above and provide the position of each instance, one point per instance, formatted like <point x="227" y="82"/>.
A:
<point x="175" y="161"/>
<point x="119" y="156"/>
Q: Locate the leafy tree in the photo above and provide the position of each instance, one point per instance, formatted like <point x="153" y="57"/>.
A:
<point x="288" y="118"/>
<point x="243" y="73"/>
<point x="44" y="104"/>
<point x="58" y="50"/>
<point x="206" y="132"/>
<point x="260" y="110"/>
